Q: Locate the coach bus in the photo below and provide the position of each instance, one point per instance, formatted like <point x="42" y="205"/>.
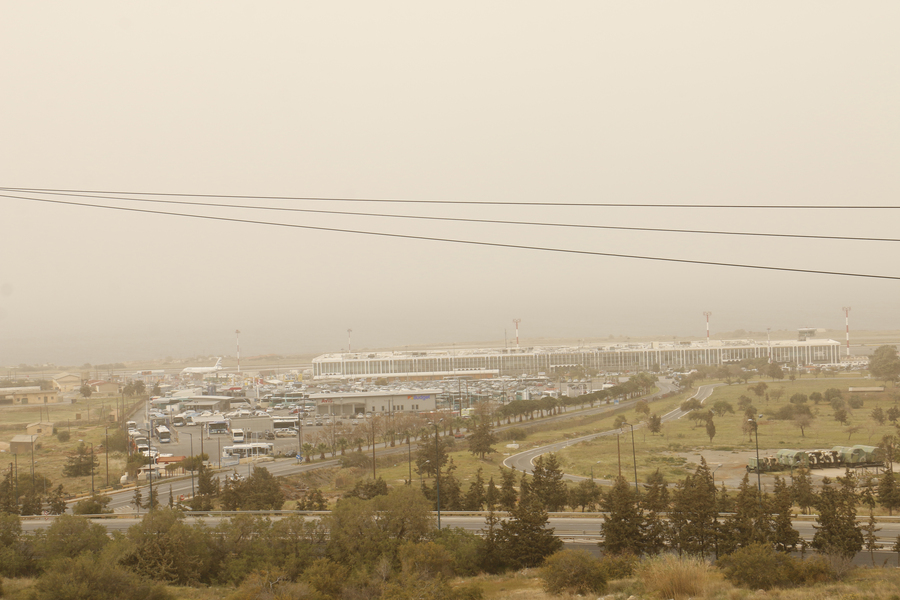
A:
<point x="245" y="450"/>
<point x="214" y="427"/>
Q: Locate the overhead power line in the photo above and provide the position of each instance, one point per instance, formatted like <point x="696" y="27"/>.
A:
<point x="458" y="241"/>
<point x="473" y="202"/>
<point x="471" y="220"/>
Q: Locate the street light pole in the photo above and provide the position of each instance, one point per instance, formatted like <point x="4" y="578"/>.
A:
<point x="758" y="466"/>
<point x="634" y="460"/>
<point x="437" y="466"/>
<point x="192" y="463"/>
<point x="106" y="429"/>
<point x="92" y="467"/>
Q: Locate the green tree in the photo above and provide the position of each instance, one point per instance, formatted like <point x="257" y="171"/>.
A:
<point x="92" y="577"/>
<point x="524" y="540"/>
<point x="548" y="483"/>
<point x="57" y="501"/>
<point x="775" y="371"/>
<point x="83" y="462"/>
<point x="655" y="424"/>
<point x="802" y="491"/>
<point x="363" y="531"/>
<point x="621" y="527"/>
<point x="784" y="536"/>
<point x="655" y="504"/>
<point x="207" y="489"/>
<point x="722" y="407"/>
<point x="842" y="416"/>
<point x="884" y="363"/>
<point x="837" y="531"/>
<point x="748" y="523"/>
<point x="694" y="515"/>
<point x="508" y="494"/>
<point x="94" y="505"/>
<point x="431" y="454"/>
<point x="710" y="428"/>
<point x="482" y="439"/>
<point x="163" y="547"/>
<point x="68" y="536"/>
<point x="85" y="390"/>
<point x="889" y="492"/>
<point x="584" y="495"/>
<point x="474" y="499"/>
<point x="261" y="491"/>
<point x="878" y="415"/>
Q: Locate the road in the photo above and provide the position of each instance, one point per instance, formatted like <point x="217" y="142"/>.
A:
<point x="524" y="461"/>
<point x="121" y="501"/>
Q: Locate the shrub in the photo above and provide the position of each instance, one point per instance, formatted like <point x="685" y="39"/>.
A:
<point x="618" y="566"/>
<point x="86" y="577"/>
<point x="759" y="566"/>
<point x="671" y="576"/>
<point x="512" y="434"/>
<point x="855" y="401"/>
<point x="63" y="436"/>
<point x="573" y="571"/>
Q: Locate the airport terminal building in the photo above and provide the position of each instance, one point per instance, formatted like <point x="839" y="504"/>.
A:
<point x="491" y="362"/>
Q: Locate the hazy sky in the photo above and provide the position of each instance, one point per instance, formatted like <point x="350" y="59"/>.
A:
<point x="579" y="102"/>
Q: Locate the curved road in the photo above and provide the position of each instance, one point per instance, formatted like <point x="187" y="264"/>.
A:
<point x="524" y="461"/>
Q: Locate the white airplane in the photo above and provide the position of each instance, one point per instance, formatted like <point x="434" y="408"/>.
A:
<point x="201" y="370"/>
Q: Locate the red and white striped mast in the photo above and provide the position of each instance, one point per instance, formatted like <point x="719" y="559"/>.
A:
<point x="846" y="310"/>
<point x="707" y="314"/>
<point x="517" y="321"/>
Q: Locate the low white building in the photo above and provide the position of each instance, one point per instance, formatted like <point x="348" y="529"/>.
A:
<point x="348" y="404"/>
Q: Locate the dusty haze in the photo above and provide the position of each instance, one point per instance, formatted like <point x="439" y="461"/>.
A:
<point x="705" y="103"/>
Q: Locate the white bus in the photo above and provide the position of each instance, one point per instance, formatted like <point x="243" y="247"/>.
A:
<point x="163" y="434"/>
<point x="214" y="427"/>
<point x="285" y="423"/>
<point x="245" y="450"/>
<point x="237" y="436"/>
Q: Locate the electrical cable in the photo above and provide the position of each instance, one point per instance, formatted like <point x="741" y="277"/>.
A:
<point x="475" y="203"/>
<point x="471" y="220"/>
<point x="458" y="241"/>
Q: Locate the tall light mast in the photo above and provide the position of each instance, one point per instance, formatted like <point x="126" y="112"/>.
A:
<point x="847" y="324"/>
<point x="707" y="314"/>
<point x="349" y="331"/>
<point x="237" y="333"/>
<point x="517" y="321"/>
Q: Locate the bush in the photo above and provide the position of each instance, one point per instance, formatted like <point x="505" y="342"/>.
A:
<point x="63" y="436"/>
<point x="573" y="571"/>
<point x="618" y="566"/>
<point x="759" y="566"/>
<point x="671" y="576"/>
<point x="86" y="577"/>
<point x="513" y="434"/>
<point x="855" y="401"/>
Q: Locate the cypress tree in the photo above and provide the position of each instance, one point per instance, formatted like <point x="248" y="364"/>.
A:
<point x="492" y="496"/>
<point x="547" y="483"/>
<point x="784" y="535"/>
<point x="475" y="496"/>
<point x="524" y="539"/>
<point x="694" y="516"/>
<point x="655" y="529"/>
<point x="621" y="527"/>
<point x="837" y="531"/>
<point x="802" y="490"/>
<point x="508" y="495"/>
<point x="889" y="492"/>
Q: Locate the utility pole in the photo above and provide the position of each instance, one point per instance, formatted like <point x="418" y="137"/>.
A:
<point x="847" y="324"/>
